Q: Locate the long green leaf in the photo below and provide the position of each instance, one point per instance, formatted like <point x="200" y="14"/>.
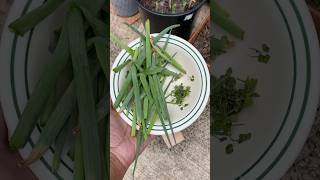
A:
<point x="138" y="148"/>
<point x="86" y="105"/>
<point x="158" y="37"/>
<point x="153" y="70"/>
<point x="163" y="103"/>
<point x="71" y="151"/>
<point x="107" y="150"/>
<point x="152" y="115"/>
<point x="103" y="134"/>
<point x="216" y="7"/>
<point x="146" y="87"/>
<point x="61" y="139"/>
<point x="102" y="53"/>
<point x="55" y="123"/>
<point x="102" y="108"/>
<point x="134" y="29"/>
<point x="157" y="103"/>
<point x="121" y="66"/>
<point x="41" y="92"/>
<point x="100" y="28"/>
<point x="148" y="45"/>
<point x="167" y="72"/>
<point x="78" y="160"/>
<point x="60" y="87"/>
<point x="134" y="122"/>
<point x="169" y="58"/>
<point x="122" y="45"/>
<point x="145" y="108"/>
<point x="123" y="91"/>
<point x="136" y="92"/>
<point x="93" y="5"/>
<point x="49" y="107"/>
<point x="142" y="55"/>
<point x="165" y="31"/>
<point x="31" y="19"/>
<point x="228" y="25"/>
<point x="57" y="119"/>
<point x="126" y="85"/>
<point x="170" y="82"/>
<point x="167" y="41"/>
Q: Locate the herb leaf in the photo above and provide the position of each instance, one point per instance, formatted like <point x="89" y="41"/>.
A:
<point x="229" y="149"/>
<point x="244" y="137"/>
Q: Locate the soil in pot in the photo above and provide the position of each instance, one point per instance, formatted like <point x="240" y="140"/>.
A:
<point x="160" y="20"/>
<point x="169" y="6"/>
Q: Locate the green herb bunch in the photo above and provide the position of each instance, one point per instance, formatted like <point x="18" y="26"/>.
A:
<point x="76" y="109"/>
<point x="178" y="94"/>
<point x="229" y="97"/>
<point x="144" y="92"/>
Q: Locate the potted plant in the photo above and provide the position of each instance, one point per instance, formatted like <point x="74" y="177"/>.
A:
<point x="164" y="13"/>
<point x="125" y="8"/>
<point x="314" y="7"/>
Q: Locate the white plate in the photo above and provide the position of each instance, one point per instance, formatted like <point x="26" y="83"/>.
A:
<point x="22" y="61"/>
<point x="192" y="61"/>
<point x="281" y="118"/>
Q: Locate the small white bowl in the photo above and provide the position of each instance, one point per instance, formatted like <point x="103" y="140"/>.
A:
<point x="192" y="61"/>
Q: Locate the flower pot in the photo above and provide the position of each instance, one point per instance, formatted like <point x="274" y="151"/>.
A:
<point x="159" y="21"/>
<point x="125" y="8"/>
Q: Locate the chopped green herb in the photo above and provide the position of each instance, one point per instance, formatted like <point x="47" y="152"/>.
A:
<point x="265" y="48"/>
<point x="229" y="149"/>
<point x="192" y="78"/>
<point x="244" y="137"/>
<point x="263" y="55"/>
<point x="183" y="106"/>
<point x="229" y="97"/>
<point x="264" y="58"/>
<point x="179" y="93"/>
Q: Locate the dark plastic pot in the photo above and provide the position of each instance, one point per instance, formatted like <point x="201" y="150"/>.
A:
<point x="125" y="8"/>
<point x="159" y="21"/>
